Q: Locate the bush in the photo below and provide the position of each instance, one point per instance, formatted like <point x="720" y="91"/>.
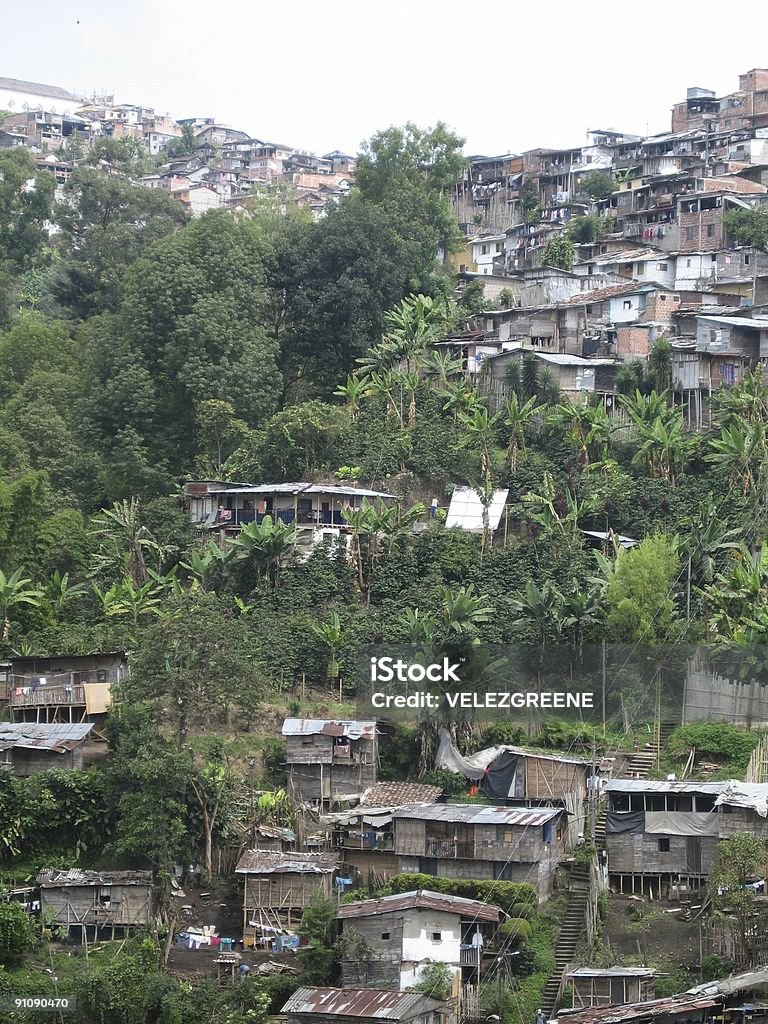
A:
<point x="714" y="739"/>
<point x="451" y="783"/>
<point x="273" y="758"/>
<point x="17" y="935"/>
<point x="517" y="928"/>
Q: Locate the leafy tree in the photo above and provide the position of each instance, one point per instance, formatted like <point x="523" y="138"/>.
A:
<point x="506" y="298"/>
<point x="419" y="163"/>
<point x="740" y="859"/>
<point x="192" y="321"/>
<point x="586" y="229"/>
<point x="530" y="210"/>
<point x="473" y="296"/>
<point x="106" y="223"/>
<point x="597" y="184"/>
<point x="558" y="252"/>
<point x="25" y="206"/>
<point x="640" y="595"/>
<point x="435" y="981"/>
<point x="746" y="227"/>
<point x="220" y="432"/>
<point x="265" y="546"/>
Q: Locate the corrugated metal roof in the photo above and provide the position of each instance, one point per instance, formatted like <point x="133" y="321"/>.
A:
<point x="56" y="878"/>
<point x="560" y="359"/>
<point x="329" y="727"/>
<point x="478" y="814"/>
<point x="261" y="862"/>
<point x="395" y="794"/>
<point x="420" y="899"/>
<point x="672" y="1006"/>
<point x="647" y="786"/>
<point x="299" y="488"/>
<point x="361" y="1002"/>
<point x="613" y="972"/>
<point x="58" y="739"/>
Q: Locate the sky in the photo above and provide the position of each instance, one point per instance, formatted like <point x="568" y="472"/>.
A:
<point x="319" y="76"/>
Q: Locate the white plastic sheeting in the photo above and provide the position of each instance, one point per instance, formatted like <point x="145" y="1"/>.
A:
<point x="753" y="795"/>
<point x="466" y="510"/>
<point x="471" y="767"/>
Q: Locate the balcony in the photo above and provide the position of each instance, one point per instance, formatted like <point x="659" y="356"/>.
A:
<point x="241" y="517"/>
<point x="469" y="956"/>
<point x="454" y="849"/>
<point x="45" y="696"/>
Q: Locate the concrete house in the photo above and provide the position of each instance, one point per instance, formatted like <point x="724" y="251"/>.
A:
<point x="95" y="904"/>
<point x="330" y="761"/>
<point x="316" y="510"/>
<point x="514" y="844"/>
<point x="362" y="1006"/>
<point x="409" y="930"/>
<point x="660" y="836"/>
<point x="278" y="887"/>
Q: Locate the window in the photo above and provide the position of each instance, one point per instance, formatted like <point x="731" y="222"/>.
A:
<point x="663" y="844"/>
<point x="706" y="802"/>
<point x="713" y="258"/>
<point x="689" y="234"/>
<point x="498" y="247"/>
<point x="627" y="304"/>
<point x="663" y="266"/>
<point x="710" y="230"/>
<point x="483" y="250"/>
<point x="385" y="935"/>
<point x="437" y="936"/>
<point x="746" y="260"/>
<point x="640" y="269"/>
<point x="687" y="263"/>
<point x="662" y="298"/>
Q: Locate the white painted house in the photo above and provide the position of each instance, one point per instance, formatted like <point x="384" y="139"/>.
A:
<point x="411" y="930"/>
<point x="18" y="96"/>
<point x="485" y="249"/>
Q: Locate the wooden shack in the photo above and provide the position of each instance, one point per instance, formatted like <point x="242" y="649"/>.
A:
<point x="31" y="748"/>
<point x="661" y="834"/>
<point x="401" y="934"/>
<point x="365" y="837"/>
<point x="64" y="688"/>
<point x="592" y="986"/>
<point x="96" y="904"/>
<point x="363" y="1006"/>
<point x="279" y="886"/>
<point x="330" y="761"/>
<point x="514" y="844"/>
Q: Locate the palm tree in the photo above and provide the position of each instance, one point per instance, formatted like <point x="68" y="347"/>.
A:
<point x="530" y="381"/>
<point x="331" y="635"/>
<point x="462" y="612"/>
<point x="664" y="446"/>
<point x="369" y="524"/>
<point x="480" y="433"/>
<point x="441" y="366"/>
<point x="516" y="416"/>
<point x="708" y="537"/>
<point x="660" y="365"/>
<point x="355" y="388"/>
<point x="15" y="590"/>
<point x="461" y="399"/>
<point x="265" y="545"/>
<point x="124" y="540"/>
<point x="742" y="448"/>
<point x="126" y="598"/>
<point x="208" y="566"/>
<point x="59" y="592"/>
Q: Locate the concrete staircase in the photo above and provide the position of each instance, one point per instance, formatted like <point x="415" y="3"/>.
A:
<point x="571" y="932"/>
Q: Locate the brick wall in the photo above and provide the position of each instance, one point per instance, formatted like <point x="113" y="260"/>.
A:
<point x="659" y="306"/>
<point x="702" y="240"/>
<point x="632" y="342"/>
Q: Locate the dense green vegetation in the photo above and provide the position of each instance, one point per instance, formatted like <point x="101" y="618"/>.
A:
<point x="138" y="350"/>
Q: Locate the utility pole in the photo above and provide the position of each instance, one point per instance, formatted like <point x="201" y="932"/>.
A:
<point x="593" y="795"/>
